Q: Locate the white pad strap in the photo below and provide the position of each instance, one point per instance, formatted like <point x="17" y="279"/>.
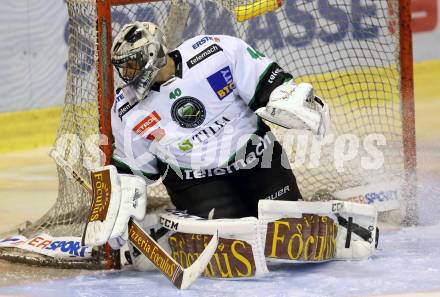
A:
<point x="357" y="233"/>
<point x="239" y="254"/>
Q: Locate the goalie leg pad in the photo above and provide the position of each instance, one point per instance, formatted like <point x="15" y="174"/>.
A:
<point x="358" y="233"/>
<point x="298" y="231"/>
<point x="239" y="253"/>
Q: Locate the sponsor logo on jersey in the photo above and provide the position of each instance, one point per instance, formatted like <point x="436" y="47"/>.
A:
<point x="203" y="135"/>
<point x="274" y="74"/>
<point x="206" y="53"/>
<point x="125" y="108"/>
<point x="211" y="130"/>
<point x="148" y="122"/>
<point x="248" y="161"/>
<point x="102" y="188"/>
<point x="204" y="40"/>
<point x="188" y="112"/>
<point x="185" y="145"/>
<point x="222" y="82"/>
<point x="119" y="96"/>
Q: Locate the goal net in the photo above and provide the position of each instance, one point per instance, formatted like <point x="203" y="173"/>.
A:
<point x="356" y="53"/>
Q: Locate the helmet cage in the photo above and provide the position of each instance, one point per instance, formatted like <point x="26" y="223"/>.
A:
<point x="138" y="53"/>
<point x="129" y="68"/>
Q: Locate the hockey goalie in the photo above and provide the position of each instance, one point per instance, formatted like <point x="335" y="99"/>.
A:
<point x="194" y="118"/>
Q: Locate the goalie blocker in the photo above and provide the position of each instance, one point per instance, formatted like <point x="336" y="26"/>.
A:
<point x="285" y="231"/>
<point x="115" y="203"/>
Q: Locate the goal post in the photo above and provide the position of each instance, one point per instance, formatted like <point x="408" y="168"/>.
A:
<point x="356" y="53"/>
<point x="408" y="112"/>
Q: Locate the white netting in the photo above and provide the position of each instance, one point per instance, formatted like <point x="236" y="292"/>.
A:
<point x="352" y="63"/>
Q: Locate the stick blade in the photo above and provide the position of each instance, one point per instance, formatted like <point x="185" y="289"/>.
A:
<point x="191" y="273"/>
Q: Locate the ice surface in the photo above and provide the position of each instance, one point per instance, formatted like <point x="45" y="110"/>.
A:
<point x="408" y="260"/>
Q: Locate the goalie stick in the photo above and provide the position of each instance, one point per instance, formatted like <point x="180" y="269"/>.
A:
<point x="181" y="277"/>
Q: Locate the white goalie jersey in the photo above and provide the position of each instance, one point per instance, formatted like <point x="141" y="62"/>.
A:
<point x="203" y="115"/>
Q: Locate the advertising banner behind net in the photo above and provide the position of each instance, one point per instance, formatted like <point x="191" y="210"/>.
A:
<point x="33" y="54"/>
<point x="33" y="34"/>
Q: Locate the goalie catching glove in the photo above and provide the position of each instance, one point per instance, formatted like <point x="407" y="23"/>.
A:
<point x="116" y="199"/>
<point x="296" y="107"/>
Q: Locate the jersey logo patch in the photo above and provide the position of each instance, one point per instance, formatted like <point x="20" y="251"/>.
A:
<point x="148" y="122"/>
<point x="188" y="112"/>
<point x="125" y="108"/>
<point x="222" y="82"/>
<point x="119" y="97"/>
<point x="206" y="53"/>
<point x="204" y="40"/>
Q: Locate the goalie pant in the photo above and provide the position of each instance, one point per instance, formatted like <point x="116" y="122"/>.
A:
<point x="262" y="172"/>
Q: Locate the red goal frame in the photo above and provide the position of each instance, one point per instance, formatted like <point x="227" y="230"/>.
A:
<point x="106" y="87"/>
<point x="106" y="92"/>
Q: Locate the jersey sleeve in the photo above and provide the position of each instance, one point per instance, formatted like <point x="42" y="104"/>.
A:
<point x="255" y="75"/>
<point x="145" y="163"/>
<point x="129" y="158"/>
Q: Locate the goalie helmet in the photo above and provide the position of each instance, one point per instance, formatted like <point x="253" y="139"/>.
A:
<point x="138" y="53"/>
